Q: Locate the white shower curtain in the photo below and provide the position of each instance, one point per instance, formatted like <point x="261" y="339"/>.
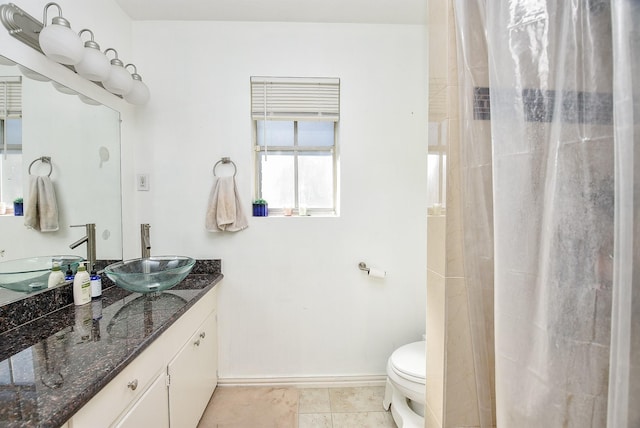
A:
<point x="553" y="287"/>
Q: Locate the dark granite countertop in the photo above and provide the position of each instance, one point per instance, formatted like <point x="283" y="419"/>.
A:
<point x="53" y="365"/>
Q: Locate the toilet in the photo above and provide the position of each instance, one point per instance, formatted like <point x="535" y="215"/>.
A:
<point x="405" y="389"/>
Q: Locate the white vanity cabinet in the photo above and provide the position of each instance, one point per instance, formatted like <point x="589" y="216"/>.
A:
<point x="192" y="375"/>
<point x="169" y="384"/>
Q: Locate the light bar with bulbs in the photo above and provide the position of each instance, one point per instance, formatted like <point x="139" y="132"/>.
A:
<point x="61" y="44"/>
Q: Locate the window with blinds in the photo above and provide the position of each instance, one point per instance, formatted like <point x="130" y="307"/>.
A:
<point x="295" y="136"/>
<point x="10" y="138"/>
<point x="10" y="97"/>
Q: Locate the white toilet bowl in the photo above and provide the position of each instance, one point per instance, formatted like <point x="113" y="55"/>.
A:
<point x="405" y="389"/>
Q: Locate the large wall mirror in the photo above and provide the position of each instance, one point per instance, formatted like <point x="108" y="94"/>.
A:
<point x="82" y="138"/>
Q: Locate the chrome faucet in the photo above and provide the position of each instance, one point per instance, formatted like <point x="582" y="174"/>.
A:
<point x="90" y="239"/>
<point x="145" y="242"/>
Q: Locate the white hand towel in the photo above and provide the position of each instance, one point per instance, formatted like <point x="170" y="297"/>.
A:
<point x="224" y="211"/>
<point x="41" y="209"/>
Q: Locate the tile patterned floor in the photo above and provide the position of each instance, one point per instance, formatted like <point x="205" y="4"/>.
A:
<point x="289" y="407"/>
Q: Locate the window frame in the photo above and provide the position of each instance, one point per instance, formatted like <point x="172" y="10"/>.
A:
<point x="296" y="151"/>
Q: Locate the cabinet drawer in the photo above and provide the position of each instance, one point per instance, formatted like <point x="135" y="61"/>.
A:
<point x="123" y="390"/>
<point x="151" y="410"/>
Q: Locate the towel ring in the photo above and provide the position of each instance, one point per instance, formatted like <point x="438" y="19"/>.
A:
<point x="44" y="159"/>
<point x="223" y="161"/>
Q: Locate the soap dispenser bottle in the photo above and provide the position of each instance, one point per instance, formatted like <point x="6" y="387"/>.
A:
<point x="56" y="276"/>
<point x="69" y="275"/>
<point x="96" y="284"/>
<point x="81" y="286"/>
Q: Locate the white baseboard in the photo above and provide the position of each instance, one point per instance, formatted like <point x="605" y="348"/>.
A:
<point x="307" y="382"/>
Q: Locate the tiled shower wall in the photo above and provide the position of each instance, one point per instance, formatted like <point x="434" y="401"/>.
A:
<point x="451" y="389"/>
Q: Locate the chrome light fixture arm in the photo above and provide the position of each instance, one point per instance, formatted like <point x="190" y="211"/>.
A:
<point x="60" y="20"/>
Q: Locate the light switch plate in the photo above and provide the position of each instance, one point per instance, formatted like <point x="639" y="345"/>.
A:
<point x="142" y="182"/>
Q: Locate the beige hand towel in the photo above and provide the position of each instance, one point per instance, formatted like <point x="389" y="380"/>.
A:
<point x="41" y="209"/>
<point x="224" y="211"/>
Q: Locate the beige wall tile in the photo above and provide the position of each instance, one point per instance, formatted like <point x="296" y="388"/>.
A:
<point x="438" y="55"/>
<point x="438" y="38"/>
<point x="436" y="244"/>
<point x="453" y="100"/>
<point x="430" y="421"/>
<point x="451" y="395"/>
<point x="476" y="136"/>
<point x="476" y="55"/>
<point x="438" y="103"/>
<point x="461" y="408"/>
<point x="435" y="344"/>
<point x="454" y="255"/>
<point x="452" y="52"/>
<point x="438" y="11"/>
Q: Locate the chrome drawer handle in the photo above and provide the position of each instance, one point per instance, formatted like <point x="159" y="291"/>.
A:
<point x="133" y="384"/>
<point x="202" y="335"/>
<point x="197" y="342"/>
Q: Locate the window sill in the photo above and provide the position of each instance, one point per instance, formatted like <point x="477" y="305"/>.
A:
<point x="315" y="215"/>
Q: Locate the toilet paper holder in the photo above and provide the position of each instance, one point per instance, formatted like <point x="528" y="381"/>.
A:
<point x="363" y="266"/>
<point x="372" y="272"/>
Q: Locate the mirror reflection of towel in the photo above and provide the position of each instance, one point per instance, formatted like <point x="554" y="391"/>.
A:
<point x="41" y="208"/>
<point x="224" y="211"/>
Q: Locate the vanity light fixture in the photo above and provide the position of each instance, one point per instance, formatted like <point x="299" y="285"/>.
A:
<point x="6" y="61"/>
<point x="85" y="99"/>
<point x="63" y="89"/>
<point x="94" y="64"/>
<point x="139" y="93"/>
<point x="58" y="41"/>
<point x="32" y="74"/>
<point x="119" y="81"/>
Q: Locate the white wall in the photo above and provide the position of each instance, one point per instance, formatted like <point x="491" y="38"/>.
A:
<point x="293" y="302"/>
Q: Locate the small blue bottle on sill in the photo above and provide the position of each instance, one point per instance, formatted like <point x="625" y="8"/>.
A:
<point x="260" y="208"/>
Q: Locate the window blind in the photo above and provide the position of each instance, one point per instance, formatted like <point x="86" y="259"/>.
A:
<point x="10" y="96"/>
<point x="295" y="98"/>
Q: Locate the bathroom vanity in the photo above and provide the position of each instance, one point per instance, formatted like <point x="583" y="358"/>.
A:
<point x="125" y="360"/>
